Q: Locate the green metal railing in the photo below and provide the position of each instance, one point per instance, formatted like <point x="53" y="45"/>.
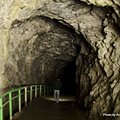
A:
<point x="33" y="92"/>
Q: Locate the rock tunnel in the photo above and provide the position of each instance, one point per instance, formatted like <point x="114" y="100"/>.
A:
<point x="75" y="40"/>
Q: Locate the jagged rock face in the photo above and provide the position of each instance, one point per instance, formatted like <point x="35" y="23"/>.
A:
<point x="32" y="47"/>
<point x="114" y="4"/>
<point x="39" y="49"/>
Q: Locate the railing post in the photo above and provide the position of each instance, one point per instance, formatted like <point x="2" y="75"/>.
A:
<point x="25" y="96"/>
<point x="40" y="90"/>
<point x="10" y="105"/>
<point x="35" y="91"/>
<point x="19" y="99"/>
<point x="30" y="93"/>
<point x="44" y="89"/>
<point x="1" y="109"/>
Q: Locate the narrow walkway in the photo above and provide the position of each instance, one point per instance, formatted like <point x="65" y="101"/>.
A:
<point x="44" y="108"/>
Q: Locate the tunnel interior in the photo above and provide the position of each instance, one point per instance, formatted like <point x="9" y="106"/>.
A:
<point x="43" y="49"/>
<point x="47" y="53"/>
<point x="77" y="41"/>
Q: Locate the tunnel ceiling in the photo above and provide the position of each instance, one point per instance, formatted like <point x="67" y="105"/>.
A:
<point x="39" y="48"/>
<point x="39" y="38"/>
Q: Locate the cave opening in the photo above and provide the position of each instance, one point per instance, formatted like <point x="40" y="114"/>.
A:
<point x="43" y="49"/>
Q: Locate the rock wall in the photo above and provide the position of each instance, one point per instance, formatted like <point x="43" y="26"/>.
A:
<point x="39" y="48"/>
<point x="99" y="76"/>
<point x="27" y="30"/>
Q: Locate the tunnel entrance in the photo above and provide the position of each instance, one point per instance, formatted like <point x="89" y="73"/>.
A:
<point x="41" y="53"/>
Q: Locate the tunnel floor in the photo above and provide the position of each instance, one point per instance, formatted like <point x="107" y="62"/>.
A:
<point x="45" y="108"/>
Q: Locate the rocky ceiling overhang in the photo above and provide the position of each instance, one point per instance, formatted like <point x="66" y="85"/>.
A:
<point x="98" y="25"/>
<point x="39" y="49"/>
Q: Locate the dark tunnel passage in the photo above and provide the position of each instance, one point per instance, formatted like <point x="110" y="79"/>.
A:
<point x="46" y="54"/>
<point x="68" y="79"/>
<point x="51" y="51"/>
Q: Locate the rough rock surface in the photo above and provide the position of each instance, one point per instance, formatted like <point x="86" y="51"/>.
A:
<point x="33" y="43"/>
<point x="39" y="49"/>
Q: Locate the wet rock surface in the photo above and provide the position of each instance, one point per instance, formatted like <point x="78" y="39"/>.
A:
<point x="40" y="38"/>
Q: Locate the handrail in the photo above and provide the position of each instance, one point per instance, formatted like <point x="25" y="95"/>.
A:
<point x="33" y="91"/>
